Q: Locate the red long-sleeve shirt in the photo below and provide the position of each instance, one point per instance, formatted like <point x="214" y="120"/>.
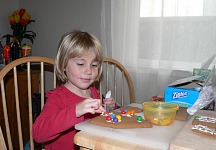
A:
<point x="55" y="125"/>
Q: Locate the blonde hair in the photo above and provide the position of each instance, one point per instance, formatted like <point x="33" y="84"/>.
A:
<point x="76" y="44"/>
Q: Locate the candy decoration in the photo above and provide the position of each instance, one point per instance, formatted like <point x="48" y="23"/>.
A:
<point x="119" y="118"/>
<point x="139" y="118"/>
<point x="112" y="116"/>
<point x="132" y="112"/>
<point x="107" y="114"/>
<point x="204" y="129"/>
<point x="123" y="113"/>
<point x="126" y="110"/>
<point x="206" y="119"/>
<point x="115" y="120"/>
<point x="108" y="119"/>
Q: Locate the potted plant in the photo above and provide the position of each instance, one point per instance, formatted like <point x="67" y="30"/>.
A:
<point x="19" y="20"/>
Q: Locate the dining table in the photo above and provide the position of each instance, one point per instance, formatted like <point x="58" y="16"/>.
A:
<point x="96" y="137"/>
<point x="187" y="139"/>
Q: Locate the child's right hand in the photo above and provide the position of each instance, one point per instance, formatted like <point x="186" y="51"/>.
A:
<point x="89" y="106"/>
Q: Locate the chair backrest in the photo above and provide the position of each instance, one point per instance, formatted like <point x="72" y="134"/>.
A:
<point x="115" y="78"/>
<point x="19" y="80"/>
<point x="2" y="141"/>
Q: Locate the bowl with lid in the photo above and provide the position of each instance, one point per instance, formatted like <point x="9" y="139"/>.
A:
<point x="160" y="113"/>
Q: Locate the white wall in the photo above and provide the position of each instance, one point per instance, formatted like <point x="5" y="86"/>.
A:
<point x="53" y="19"/>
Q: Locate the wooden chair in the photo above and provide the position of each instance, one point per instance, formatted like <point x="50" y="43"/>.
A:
<point x="116" y="78"/>
<point x="17" y="88"/>
<point x="2" y="141"/>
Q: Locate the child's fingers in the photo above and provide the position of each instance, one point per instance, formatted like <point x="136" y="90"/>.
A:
<point x="100" y="110"/>
<point x="94" y="105"/>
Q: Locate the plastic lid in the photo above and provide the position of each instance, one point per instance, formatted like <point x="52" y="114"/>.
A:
<point x="162" y="106"/>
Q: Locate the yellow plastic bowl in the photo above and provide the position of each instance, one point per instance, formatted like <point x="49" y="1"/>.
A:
<point x="160" y="113"/>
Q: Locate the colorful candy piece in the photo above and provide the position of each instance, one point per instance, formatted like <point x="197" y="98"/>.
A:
<point x="108" y="119"/>
<point x="123" y="113"/>
<point x="112" y="116"/>
<point x="115" y="120"/>
<point x="126" y="110"/>
<point x="196" y="117"/>
<point x="206" y="119"/>
<point x="119" y="118"/>
<point x="132" y="112"/>
<point x="102" y="114"/>
<point x="105" y="114"/>
<point x="139" y="118"/>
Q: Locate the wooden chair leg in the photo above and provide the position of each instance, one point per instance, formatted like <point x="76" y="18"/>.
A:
<point x="2" y="141"/>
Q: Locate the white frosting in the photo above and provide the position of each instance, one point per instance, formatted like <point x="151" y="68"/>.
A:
<point x="204" y="129"/>
<point x="207" y="119"/>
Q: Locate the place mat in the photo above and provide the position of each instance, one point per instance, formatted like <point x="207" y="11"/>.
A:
<point x="181" y="114"/>
<point x="126" y="122"/>
<point x="137" y="109"/>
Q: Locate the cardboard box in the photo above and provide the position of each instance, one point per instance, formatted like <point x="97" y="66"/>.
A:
<point x="185" y="92"/>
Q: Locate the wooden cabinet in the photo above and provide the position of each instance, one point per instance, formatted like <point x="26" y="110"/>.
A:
<point x="23" y="91"/>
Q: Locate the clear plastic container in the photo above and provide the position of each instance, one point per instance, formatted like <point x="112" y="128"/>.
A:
<point x="160" y="113"/>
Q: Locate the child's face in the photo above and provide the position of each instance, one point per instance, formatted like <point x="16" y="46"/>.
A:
<point x="82" y="71"/>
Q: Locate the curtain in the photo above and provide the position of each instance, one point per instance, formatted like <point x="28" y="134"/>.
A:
<point x="157" y="50"/>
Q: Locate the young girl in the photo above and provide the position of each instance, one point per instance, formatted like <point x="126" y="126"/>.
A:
<point x="78" y="65"/>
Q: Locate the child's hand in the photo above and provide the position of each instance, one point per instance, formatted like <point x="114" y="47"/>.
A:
<point x="89" y="106"/>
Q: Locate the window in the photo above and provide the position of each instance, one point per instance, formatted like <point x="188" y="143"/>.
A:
<point x="170" y="8"/>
